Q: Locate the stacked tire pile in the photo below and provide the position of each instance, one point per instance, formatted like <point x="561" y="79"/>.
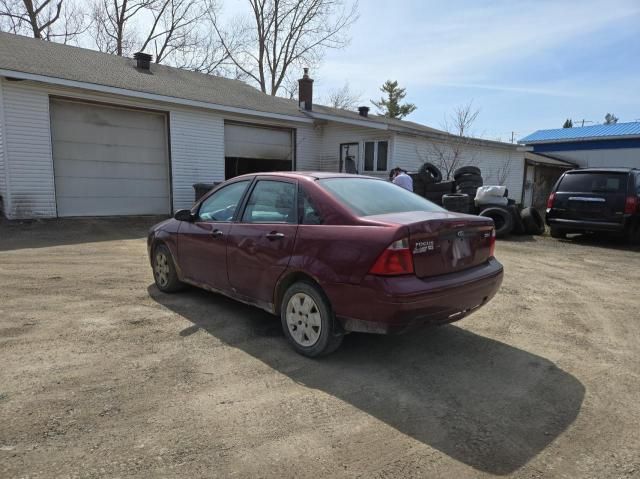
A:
<point x="428" y="183"/>
<point x="467" y="180"/>
<point x="493" y="202"/>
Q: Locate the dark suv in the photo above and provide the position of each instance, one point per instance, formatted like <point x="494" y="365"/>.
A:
<point x="596" y="199"/>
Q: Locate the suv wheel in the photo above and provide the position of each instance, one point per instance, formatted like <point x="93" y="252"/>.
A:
<point x="308" y="321"/>
<point x="557" y="233"/>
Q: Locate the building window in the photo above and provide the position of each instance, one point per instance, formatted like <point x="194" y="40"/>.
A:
<point x="376" y="155"/>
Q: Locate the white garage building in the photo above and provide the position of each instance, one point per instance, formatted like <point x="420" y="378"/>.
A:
<point x="84" y="133"/>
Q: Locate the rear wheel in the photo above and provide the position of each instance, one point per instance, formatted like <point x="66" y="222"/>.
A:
<point x="308" y="321"/>
<point x="164" y="271"/>
<point x="558" y="233"/>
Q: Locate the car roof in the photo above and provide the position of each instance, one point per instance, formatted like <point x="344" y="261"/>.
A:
<point x="603" y="170"/>
<point x="310" y="175"/>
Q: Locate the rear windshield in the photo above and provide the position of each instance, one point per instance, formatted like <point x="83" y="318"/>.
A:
<point x="590" y="182"/>
<point x="367" y="197"/>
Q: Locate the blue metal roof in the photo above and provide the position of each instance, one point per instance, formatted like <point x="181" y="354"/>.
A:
<point x="584" y="133"/>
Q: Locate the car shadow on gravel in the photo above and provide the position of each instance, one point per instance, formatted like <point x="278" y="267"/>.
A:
<point x="16" y="235"/>
<point x="482" y="402"/>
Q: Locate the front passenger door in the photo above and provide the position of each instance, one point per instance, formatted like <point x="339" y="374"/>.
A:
<point x="261" y="243"/>
<point x="202" y="244"/>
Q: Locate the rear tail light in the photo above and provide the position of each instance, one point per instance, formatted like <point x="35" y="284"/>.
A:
<point x="552" y="198"/>
<point x="395" y="260"/>
<point x="630" y="205"/>
<point x="492" y="243"/>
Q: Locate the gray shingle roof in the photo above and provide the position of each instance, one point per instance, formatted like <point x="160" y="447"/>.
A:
<point x="28" y="55"/>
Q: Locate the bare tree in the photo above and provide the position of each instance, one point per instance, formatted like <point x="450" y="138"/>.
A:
<point x="285" y="34"/>
<point x="113" y="23"/>
<point x="455" y="151"/>
<point x="502" y="173"/>
<point x="344" y="98"/>
<point x="55" y="20"/>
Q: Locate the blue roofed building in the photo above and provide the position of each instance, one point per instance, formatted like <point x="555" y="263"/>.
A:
<point x="590" y="146"/>
<point x="550" y="152"/>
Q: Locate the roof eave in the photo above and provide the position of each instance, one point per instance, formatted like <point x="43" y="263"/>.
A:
<point x="148" y="96"/>
<point x="348" y="121"/>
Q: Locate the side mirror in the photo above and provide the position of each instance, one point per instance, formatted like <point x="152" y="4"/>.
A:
<point x="183" y="215"/>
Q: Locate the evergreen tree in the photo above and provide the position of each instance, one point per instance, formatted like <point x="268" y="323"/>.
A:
<point x="391" y="106"/>
<point x="568" y="123"/>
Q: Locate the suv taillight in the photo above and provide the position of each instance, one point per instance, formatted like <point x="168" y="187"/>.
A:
<point x="395" y="260"/>
<point x="631" y="205"/>
<point x="550" y="200"/>
<point x="492" y="243"/>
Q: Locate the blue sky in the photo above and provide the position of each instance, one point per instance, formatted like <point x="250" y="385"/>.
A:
<point x="526" y="65"/>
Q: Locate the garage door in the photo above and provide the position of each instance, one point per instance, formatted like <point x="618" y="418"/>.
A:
<point x="248" y="141"/>
<point x="109" y="161"/>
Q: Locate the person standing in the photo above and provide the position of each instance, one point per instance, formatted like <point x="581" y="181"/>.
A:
<point x="402" y="179"/>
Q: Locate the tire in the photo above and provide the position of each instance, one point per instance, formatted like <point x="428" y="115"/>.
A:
<point x="443" y="187"/>
<point x="164" y="270"/>
<point x="532" y="220"/>
<point x="465" y="170"/>
<point x="558" y="233"/>
<point x="470" y="182"/>
<point x="431" y="170"/>
<point x="518" y="225"/>
<point x="457" y="202"/>
<point x="501" y="218"/>
<point x="305" y="304"/>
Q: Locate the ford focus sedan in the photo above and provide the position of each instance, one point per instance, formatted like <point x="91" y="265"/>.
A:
<point x="329" y="254"/>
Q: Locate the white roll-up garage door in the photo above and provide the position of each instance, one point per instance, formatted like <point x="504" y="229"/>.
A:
<point x="249" y="141"/>
<point x="109" y="160"/>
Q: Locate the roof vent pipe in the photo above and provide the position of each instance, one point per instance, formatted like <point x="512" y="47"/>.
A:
<point x="363" y="111"/>
<point x="143" y="60"/>
<point x="305" y="91"/>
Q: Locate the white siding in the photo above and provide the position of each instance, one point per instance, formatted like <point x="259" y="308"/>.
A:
<point x="410" y="152"/>
<point x="3" y="174"/>
<point x="197" y="153"/>
<point x="28" y="148"/>
<point x="308" y="143"/>
<point x="333" y="135"/>
<point x="623" y="157"/>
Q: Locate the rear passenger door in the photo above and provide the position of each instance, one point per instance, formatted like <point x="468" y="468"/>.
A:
<point x="260" y="244"/>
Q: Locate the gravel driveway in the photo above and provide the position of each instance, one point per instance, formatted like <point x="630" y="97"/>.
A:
<point x="103" y="376"/>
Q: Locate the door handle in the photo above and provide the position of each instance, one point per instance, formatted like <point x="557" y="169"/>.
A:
<point x="274" y="235"/>
<point x="217" y="233"/>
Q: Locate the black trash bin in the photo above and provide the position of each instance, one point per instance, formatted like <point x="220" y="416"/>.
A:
<point x="202" y="189"/>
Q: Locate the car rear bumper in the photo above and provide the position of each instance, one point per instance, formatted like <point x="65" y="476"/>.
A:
<point x="579" y="225"/>
<point x="394" y="305"/>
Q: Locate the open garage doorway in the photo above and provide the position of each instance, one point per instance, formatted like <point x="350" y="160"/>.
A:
<point x="255" y="148"/>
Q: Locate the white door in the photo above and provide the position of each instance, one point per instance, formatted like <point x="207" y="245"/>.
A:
<point x="108" y="160"/>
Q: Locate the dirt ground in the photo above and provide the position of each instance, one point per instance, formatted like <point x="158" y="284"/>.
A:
<point x="103" y="376"/>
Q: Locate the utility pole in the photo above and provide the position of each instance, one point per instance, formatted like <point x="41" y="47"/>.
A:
<point x="512" y="136"/>
<point x="585" y="121"/>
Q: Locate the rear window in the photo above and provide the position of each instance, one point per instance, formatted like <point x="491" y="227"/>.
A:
<point x="367" y="197"/>
<point x="594" y="183"/>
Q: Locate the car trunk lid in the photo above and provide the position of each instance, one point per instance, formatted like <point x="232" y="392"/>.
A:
<point x="445" y="242"/>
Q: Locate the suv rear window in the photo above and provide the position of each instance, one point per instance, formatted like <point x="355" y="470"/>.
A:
<point x="594" y="182"/>
<point x="367" y="196"/>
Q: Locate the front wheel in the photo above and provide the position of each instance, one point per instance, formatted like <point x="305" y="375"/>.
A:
<point x="308" y="321"/>
<point x="164" y="271"/>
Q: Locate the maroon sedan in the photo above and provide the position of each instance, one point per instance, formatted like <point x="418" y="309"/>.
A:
<point x="329" y="253"/>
